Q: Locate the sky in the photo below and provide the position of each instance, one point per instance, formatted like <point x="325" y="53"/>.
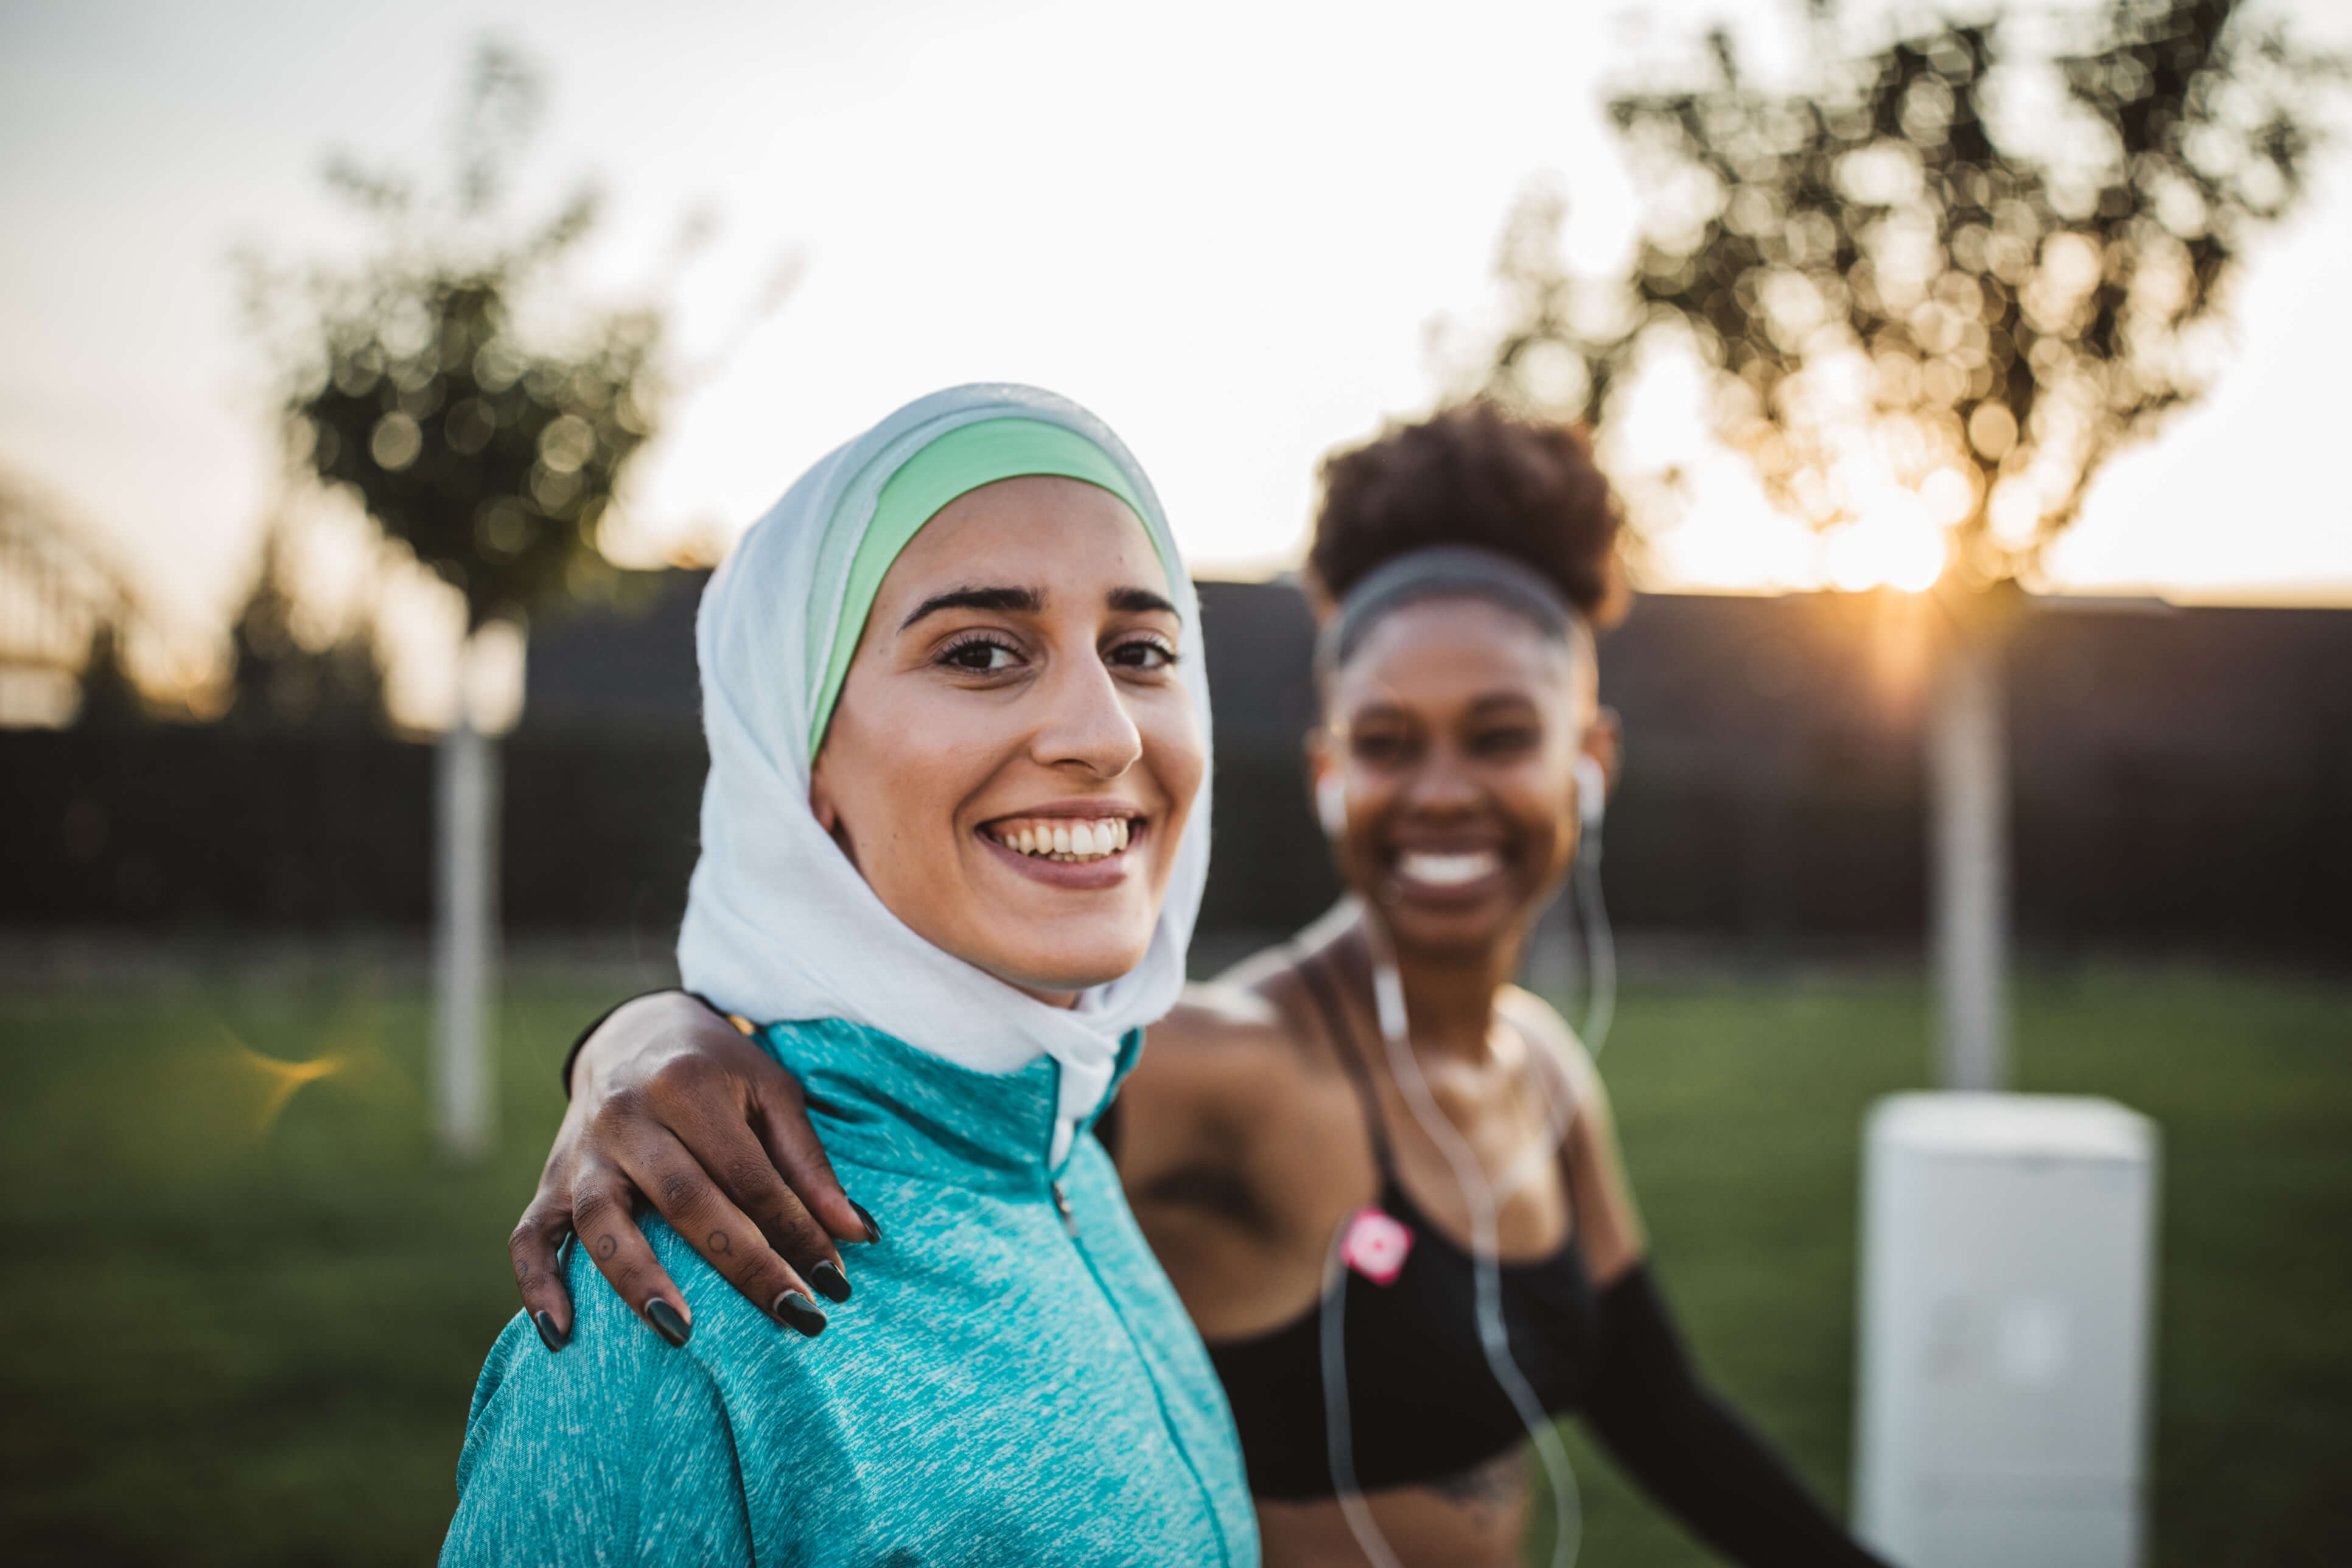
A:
<point x="1229" y="228"/>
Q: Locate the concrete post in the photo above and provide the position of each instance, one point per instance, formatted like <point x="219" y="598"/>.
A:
<point x="464" y="1082"/>
<point x="1968" y="769"/>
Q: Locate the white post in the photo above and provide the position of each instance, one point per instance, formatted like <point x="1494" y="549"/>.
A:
<point x="1968" y="767"/>
<point x="466" y="823"/>
<point x="2008" y="1308"/>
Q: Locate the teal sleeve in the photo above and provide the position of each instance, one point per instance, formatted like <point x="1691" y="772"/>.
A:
<point x="616" y="1451"/>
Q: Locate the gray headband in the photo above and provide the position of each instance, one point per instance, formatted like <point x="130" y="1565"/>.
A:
<point x="1440" y="572"/>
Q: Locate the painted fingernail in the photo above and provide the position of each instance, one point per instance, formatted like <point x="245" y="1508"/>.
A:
<point x="799" y="1313"/>
<point x="830" y="1281"/>
<point x="872" y="1231"/>
<point x="666" y="1321"/>
<point x="553" y="1338"/>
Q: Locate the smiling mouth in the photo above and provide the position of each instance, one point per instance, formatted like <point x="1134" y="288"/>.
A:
<point x="1080" y="841"/>
<point x="1453" y="870"/>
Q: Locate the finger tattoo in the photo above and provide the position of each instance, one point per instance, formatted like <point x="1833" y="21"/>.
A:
<point x="718" y="1243"/>
<point x="606" y="1246"/>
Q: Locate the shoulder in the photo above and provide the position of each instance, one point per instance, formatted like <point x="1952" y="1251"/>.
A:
<point x="1562" y="1052"/>
<point x="1219" y="1039"/>
<point x="631" y="1435"/>
<point x="614" y="1362"/>
<point x="1221" y="1073"/>
<point x="1257" y="1027"/>
<point x="1217" y="1016"/>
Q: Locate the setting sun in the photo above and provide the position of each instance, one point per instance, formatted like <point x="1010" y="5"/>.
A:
<point x="1895" y="547"/>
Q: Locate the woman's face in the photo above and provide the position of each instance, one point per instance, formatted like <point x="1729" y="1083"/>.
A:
<point x="1450" y="742"/>
<point x="1013" y="758"/>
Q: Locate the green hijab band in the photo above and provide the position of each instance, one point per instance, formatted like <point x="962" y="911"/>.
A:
<point x="955" y="465"/>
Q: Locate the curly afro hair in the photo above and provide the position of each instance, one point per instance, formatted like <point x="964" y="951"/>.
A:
<point x="1474" y="474"/>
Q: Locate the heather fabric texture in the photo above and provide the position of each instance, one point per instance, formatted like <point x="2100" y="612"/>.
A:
<point x="998" y="1389"/>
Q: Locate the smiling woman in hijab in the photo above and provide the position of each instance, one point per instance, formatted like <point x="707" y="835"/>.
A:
<point x="954" y="839"/>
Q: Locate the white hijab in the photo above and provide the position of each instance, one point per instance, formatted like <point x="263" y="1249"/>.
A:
<point x="778" y="925"/>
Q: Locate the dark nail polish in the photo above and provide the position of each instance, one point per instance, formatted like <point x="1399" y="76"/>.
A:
<point x="799" y="1313"/>
<point x="666" y="1322"/>
<point x="553" y="1338"/>
<point x="831" y="1283"/>
<point x="872" y="1231"/>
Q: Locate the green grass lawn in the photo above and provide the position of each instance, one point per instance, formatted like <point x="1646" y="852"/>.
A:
<point x="235" y="1338"/>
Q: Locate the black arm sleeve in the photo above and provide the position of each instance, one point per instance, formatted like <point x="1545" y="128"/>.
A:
<point x="1692" y="1454"/>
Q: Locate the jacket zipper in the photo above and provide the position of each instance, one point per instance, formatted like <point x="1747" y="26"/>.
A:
<point x="1168" y="1425"/>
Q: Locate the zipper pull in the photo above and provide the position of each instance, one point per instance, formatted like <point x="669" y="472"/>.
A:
<point x="1061" y="1207"/>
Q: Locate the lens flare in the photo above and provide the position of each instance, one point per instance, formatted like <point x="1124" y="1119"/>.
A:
<point x="280" y="1080"/>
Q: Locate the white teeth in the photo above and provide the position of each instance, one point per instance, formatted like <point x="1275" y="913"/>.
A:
<point x="1448" y="871"/>
<point x="1065" y="840"/>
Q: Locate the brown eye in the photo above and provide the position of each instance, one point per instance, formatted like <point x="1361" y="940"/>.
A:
<point x="1142" y="653"/>
<point x="1379" y="746"/>
<point x="1506" y="741"/>
<point x="980" y="656"/>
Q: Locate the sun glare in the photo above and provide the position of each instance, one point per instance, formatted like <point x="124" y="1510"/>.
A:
<point x="279" y="1080"/>
<point x="1896" y="547"/>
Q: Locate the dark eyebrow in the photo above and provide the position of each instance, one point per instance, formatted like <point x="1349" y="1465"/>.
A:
<point x="1026" y="600"/>
<point x="1029" y="601"/>
<point x="1135" y="601"/>
<point x="1494" y="701"/>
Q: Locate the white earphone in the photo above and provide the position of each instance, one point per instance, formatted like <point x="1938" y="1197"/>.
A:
<point x="1591" y="792"/>
<point x="1331" y="803"/>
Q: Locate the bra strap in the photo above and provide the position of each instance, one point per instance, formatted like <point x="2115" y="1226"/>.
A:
<point x="1343" y="1045"/>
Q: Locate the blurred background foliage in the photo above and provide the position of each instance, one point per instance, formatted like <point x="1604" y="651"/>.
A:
<point x="412" y="383"/>
<point x="277" y="679"/>
<point x="1913" y="280"/>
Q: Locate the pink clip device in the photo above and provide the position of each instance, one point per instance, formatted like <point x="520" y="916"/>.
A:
<point x="1376" y="1246"/>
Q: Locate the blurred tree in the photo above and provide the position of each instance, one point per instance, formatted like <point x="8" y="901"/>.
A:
<point x="275" y="678"/>
<point x="69" y="622"/>
<point x="1922" y="281"/>
<point x="492" y="456"/>
<point x="110" y="697"/>
<point x="492" y="460"/>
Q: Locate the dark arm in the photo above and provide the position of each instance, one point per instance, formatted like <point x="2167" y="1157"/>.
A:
<point x="1692" y="1454"/>
<point x="672" y="1103"/>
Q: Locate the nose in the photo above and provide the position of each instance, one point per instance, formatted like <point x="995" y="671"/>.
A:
<point x="1442" y="785"/>
<point x="1086" y="725"/>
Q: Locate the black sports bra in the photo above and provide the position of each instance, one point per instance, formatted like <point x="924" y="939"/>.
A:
<point x="1422" y="1405"/>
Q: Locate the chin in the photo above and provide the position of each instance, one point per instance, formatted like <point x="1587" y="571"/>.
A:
<point x="1457" y="932"/>
<point x="1061" y="970"/>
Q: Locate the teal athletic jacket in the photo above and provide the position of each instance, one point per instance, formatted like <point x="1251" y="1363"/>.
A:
<point x="1005" y="1385"/>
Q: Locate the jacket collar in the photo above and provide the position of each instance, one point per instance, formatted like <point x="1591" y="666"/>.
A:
<point x="878" y="1101"/>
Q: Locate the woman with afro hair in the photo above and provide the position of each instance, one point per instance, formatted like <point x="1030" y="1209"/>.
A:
<point x="1382" y="1178"/>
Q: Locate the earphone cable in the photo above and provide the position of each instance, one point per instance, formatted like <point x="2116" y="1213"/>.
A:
<point x="1600" y="945"/>
<point x="1494" y="1336"/>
